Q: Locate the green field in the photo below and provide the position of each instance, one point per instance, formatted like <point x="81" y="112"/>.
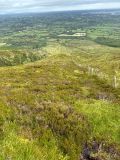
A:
<point x="60" y="95"/>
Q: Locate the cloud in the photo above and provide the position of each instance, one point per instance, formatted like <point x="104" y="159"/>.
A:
<point x="17" y="6"/>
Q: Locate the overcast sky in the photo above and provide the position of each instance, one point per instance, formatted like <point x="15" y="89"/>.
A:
<point x="19" y="6"/>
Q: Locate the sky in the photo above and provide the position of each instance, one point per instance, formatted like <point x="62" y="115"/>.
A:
<point x="22" y="6"/>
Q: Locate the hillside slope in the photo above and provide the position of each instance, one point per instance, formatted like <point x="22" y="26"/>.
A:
<point x="54" y="109"/>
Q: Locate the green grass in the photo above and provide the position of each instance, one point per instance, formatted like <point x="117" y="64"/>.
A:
<point x="16" y="147"/>
<point x="105" y="118"/>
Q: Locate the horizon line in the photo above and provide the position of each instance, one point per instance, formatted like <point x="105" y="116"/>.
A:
<point x="101" y="9"/>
